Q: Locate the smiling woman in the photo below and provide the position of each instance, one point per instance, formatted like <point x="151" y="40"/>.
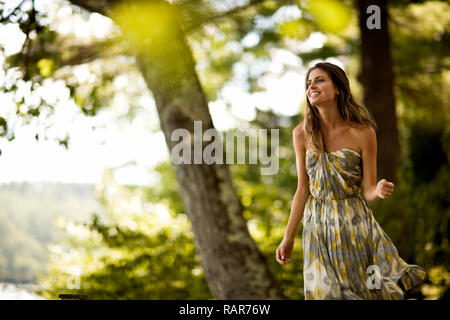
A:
<point x="327" y="90"/>
<point x="347" y="255"/>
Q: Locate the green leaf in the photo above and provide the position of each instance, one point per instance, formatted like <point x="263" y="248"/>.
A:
<point x="3" y="127"/>
<point x="331" y="15"/>
<point x="45" y="67"/>
<point x="297" y="29"/>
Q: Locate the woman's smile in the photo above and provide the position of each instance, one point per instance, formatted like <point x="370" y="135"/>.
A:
<point x="320" y="88"/>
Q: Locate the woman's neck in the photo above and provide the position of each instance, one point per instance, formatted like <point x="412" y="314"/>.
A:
<point x="330" y="118"/>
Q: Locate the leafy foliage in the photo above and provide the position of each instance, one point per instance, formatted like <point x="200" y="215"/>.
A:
<point x="143" y="251"/>
<point x="417" y="215"/>
<point x="267" y="202"/>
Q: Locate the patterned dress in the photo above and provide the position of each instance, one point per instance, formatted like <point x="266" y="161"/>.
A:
<point x="347" y="255"/>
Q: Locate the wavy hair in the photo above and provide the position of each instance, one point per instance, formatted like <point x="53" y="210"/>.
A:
<point x="348" y="108"/>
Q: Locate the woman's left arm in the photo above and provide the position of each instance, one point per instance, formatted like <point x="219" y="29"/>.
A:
<point x="372" y="190"/>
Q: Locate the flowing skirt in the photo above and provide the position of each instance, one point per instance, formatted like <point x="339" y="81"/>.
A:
<point x="348" y="256"/>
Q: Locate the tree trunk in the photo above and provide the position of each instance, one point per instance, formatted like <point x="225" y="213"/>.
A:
<point x="377" y="78"/>
<point x="233" y="265"/>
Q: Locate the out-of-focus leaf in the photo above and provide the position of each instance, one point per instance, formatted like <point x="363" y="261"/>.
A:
<point x="297" y="29"/>
<point x="3" y="127"/>
<point x="45" y="67"/>
<point x="330" y="15"/>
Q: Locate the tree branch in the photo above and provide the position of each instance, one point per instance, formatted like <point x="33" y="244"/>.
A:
<point x="3" y="19"/>
<point x="102" y="6"/>
<point x="220" y="15"/>
<point x="99" y="6"/>
<point x="87" y="53"/>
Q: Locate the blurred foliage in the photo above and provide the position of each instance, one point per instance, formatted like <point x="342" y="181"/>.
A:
<point x="330" y="15"/>
<point x="215" y="32"/>
<point x="421" y="54"/>
<point x="419" y="47"/>
<point x="145" y="22"/>
<point x="417" y="215"/>
<point x="27" y="217"/>
<point x="267" y="201"/>
<point x="144" y="250"/>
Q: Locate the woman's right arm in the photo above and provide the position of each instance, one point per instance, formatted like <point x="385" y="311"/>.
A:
<point x="302" y="193"/>
<point x="286" y="246"/>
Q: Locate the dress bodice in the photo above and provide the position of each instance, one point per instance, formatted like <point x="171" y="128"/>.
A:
<point x="334" y="175"/>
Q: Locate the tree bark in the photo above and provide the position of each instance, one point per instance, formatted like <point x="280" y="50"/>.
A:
<point x="233" y="265"/>
<point x="377" y="78"/>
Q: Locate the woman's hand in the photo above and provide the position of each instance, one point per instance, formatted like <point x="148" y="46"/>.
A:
<point x="284" y="251"/>
<point x="384" y="189"/>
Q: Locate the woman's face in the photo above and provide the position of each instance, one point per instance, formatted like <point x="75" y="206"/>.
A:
<point x="320" y="88"/>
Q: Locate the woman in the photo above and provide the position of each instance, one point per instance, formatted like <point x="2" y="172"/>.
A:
<point x="346" y="253"/>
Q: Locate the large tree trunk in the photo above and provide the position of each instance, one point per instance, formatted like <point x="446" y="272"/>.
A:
<point x="234" y="267"/>
<point x="377" y="78"/>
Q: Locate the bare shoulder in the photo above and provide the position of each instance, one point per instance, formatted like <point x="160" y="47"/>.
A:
<point x="298" y="130"/>
<point x="299" y="135"/>
<point x="366" y="135"/>
<point x="360" y="129"/>
<point x="366" y="132"/>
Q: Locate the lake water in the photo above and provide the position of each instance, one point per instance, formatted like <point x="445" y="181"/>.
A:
<point x="11" y="291"/>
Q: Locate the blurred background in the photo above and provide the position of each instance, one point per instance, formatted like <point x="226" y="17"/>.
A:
<point x="89" y="199"/>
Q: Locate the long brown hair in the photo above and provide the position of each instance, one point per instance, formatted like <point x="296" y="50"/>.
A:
<point x="348" y="108"/>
